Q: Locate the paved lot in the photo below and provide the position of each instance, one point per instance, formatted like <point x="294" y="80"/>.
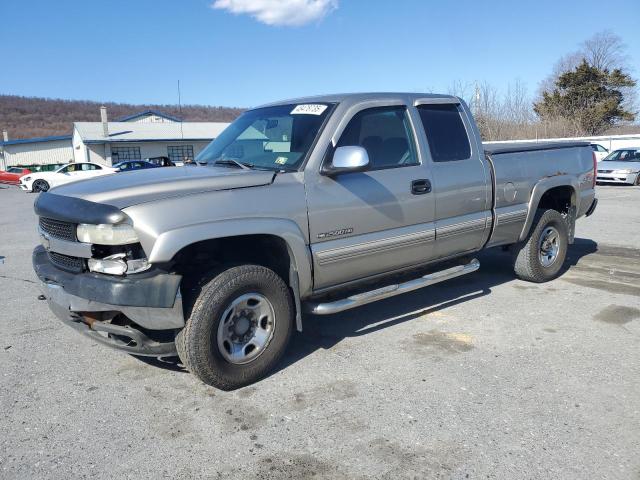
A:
<point x="482" y="377"/>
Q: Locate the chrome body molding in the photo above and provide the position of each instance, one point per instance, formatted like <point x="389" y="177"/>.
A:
<point x="375" y="246"/>
<point x="461" y="228"/>
<point x="511" y="217"/>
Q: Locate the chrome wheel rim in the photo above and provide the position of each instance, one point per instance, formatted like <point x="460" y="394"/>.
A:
<point x="40" y="186"/>
<point x="549" y="246"/>
<point x="246" y="328"/>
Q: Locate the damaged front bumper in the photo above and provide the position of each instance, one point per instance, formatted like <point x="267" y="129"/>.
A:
<point x="137" y="315"/>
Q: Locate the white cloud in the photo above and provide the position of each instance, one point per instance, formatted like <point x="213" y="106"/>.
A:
<point x="280" y="12"/>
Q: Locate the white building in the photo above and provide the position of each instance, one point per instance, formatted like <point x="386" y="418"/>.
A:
<point x="136" y="137"/>
<point x="137" y="141"/>
<point x="35" y="151"/>
<point x="149" y="116"/>
<point x="610" y="142"/>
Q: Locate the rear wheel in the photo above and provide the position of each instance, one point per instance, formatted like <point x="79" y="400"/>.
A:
<point x="541" y="256"/>
<point x="239" y="327"/>
<point x="40" y="186"/>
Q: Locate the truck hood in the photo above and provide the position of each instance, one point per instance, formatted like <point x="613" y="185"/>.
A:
<point x="131" y="188"/>
<point x="619" y="165"/>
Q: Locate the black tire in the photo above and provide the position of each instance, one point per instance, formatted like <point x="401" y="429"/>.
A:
<point x="637" y="182"/>
<point x="528" y="264"/>
<point x="40" y="186"/>
<point x="197" y="343"/>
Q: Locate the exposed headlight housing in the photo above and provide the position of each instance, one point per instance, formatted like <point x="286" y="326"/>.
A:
<point x="105" y="234"/>
<point x="117" y="265"/>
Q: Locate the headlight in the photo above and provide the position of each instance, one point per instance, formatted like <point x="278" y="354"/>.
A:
<point x="122" y="234"/>
<point x="118" y="265"/>
<point x="26" y="179"/>
<point x="627" y="170"/>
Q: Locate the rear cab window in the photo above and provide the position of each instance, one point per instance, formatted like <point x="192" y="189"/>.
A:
<point x="445" y="131"/>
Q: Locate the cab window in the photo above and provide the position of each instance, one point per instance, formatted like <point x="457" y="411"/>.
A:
<point x="445" y="131"/>
<point x="385" y="133"/>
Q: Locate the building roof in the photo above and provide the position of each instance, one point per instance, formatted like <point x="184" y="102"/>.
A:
<point x="19" y="141"/>
<point x="147" y="113"/>
<point x="91" y="132"/>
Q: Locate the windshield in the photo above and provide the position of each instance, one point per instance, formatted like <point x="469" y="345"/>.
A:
<point x="273" y="138"/>
<point x="623" y="156"/>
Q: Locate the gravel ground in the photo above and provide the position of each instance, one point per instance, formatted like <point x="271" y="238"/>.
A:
<point x="484" y="376"/>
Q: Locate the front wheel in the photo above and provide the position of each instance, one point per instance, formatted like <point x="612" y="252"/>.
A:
<point x="541" y="256"/>
<point x="40" y="186"/>
<point x="239" y="327"/>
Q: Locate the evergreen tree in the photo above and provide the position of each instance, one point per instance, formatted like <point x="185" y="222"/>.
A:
<point x="589" y="97"/>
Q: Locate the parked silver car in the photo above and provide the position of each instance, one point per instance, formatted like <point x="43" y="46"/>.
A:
<point x="620" y="166"/>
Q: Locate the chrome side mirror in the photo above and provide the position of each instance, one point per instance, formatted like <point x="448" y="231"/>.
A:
<point x="347" y="159"/>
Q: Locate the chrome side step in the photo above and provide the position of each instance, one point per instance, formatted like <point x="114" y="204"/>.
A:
<point x="391" y="290"/>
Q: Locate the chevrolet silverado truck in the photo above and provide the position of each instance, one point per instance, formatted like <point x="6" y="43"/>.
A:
<point x="317" y="204"/>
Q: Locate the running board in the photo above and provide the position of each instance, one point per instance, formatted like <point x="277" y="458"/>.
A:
<point x="392" y="290"/>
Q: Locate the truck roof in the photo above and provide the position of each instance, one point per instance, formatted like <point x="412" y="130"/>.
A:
<point x="354" y="98"/>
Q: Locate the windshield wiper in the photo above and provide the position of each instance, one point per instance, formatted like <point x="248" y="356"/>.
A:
<point x="230" y="161"/>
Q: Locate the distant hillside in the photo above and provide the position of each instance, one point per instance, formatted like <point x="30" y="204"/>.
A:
<point x="26" y="117"/>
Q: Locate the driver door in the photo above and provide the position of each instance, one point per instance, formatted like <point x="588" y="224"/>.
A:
<point x="68" y="174"/>
<point x="367" y="223"/>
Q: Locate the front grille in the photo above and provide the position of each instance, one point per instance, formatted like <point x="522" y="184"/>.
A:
<point x="58" y="229"/>
<point x="65" y="262"/>
<point x="605" y="171"/>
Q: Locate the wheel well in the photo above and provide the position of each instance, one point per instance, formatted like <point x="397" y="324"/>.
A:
<point x="206" y="256"/>
<point x="560" y="199"/>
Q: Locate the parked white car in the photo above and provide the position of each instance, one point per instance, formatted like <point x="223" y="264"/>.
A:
<point x="620" y="166"/>
<point x="72" y="172"/>
<point x="599" y="151"/>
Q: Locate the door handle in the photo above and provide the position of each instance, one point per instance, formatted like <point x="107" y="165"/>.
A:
<point x="420" y="187"/>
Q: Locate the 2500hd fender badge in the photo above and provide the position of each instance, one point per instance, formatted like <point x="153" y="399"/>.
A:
<point x="336" y="233"/>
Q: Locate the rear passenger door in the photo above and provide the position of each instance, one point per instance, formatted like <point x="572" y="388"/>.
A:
<point x="461" y="181"/>
<point x="366" y="223"/>
<point x="91" y="170"/>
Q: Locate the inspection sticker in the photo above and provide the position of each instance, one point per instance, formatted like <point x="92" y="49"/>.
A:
<point x="281" y="160"/>
<point x="309" y="109"/>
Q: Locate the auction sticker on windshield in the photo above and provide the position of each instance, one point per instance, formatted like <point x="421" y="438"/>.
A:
<point x="309" y="109"/>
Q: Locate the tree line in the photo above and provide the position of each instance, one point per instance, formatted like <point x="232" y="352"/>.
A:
<point x="28" y="117"/>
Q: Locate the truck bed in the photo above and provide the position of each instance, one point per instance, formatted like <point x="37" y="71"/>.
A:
<point x="523" y="170"/>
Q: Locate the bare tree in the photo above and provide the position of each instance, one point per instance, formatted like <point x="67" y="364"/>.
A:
<point x="462" y="89"/>
<point x="605" y="50"/>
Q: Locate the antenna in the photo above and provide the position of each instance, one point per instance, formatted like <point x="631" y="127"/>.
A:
<point x="180" y="110"/>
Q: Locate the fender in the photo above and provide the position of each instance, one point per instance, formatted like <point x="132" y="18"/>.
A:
<point x="539" y="190"/>
<point x="169" y="243"/>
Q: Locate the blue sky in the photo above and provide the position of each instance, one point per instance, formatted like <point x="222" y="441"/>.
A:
<point x="136" y="50"/>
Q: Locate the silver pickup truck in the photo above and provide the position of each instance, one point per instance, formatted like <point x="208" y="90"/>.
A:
<point x="317" y="204"/>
